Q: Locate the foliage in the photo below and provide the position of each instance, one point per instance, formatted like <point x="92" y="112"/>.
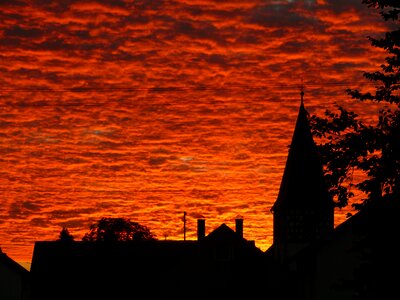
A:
<point x="65" y="236"/>
<point x="118" y="229"/>
<point x="351" y="145"/>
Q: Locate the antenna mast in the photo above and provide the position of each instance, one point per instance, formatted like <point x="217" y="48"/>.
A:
<point x="302" y="91"/>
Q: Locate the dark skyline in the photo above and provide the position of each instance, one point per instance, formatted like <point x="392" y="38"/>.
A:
<point x="145" y="109"/>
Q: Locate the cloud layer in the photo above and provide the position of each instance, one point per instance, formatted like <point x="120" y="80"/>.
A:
<point x="145" y="109"/>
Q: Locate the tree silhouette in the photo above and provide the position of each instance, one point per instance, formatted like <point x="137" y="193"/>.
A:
<point x="65" y="236"/>
<point x="118" y="229"/>
<point x="348" y="144"/>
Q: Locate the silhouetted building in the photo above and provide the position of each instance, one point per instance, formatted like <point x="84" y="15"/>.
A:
<point x="355" y="260"/>
<point x="14" y="279"/>
<point x="360" y="261"/>
<point x="222" y="264"/>
<point x="309" y="258"/>
<point x="303" y="211"/>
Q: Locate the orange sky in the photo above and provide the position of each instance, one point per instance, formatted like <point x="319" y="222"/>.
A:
<point x="145" y="109"/>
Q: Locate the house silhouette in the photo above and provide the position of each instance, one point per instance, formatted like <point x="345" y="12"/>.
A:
<point x="14" y="279"/>
<point x="309" y="258"/>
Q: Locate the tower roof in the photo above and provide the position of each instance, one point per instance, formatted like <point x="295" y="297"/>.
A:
<point x="303" y="183"/>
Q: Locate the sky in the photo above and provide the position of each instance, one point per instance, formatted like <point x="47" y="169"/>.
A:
<point x="146" y="109"/>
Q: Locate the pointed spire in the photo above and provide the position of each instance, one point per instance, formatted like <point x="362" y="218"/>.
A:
<point x="303" y="211"/>
<point x="302" y="182"/>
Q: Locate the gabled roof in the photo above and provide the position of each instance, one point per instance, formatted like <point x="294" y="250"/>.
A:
<point x="381" y="218"/>
<point x="227" y="236"/>
<point x="11" y="264"/>
<point x="223" y="233"/>
<point x="303" y="183"/>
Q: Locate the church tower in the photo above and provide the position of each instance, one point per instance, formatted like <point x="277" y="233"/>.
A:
<point x="303" y="211"/>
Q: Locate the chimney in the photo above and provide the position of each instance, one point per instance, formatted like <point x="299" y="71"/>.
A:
<point x="201" y="229"/>
<point x="239" y="226"/>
